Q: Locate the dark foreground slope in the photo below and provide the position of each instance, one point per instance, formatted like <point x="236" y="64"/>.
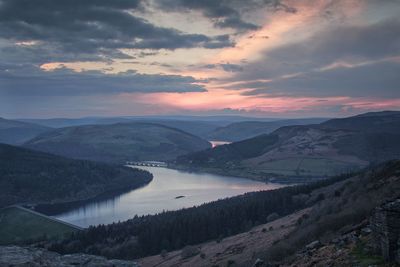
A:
<point x="322" y="211"/>
<point x="319" y="150"/>
<point x="28" y="176"/>
<point x="119" y="142"/>
<point x="16" y="132"/>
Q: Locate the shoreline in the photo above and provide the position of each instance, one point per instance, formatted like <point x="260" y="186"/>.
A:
<point x="48" y="208"/>
<point x="278" y="179"/>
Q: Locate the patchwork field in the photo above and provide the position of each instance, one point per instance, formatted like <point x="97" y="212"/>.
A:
<point x="18" y="224"/>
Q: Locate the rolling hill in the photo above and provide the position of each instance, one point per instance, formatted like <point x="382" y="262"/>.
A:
<point x="119" y="142"/>
<point x="319" y="150"/>
<point x="247" y="129"/>
<point x="15" y="132"/>
<point x="28" y="176"/>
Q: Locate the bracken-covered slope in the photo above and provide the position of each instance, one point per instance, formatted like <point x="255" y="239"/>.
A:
<point x="320" y="150"/>
<point x="16" y="132"/>
<point x="28" y="176"/>
<point x="119" y="142"/>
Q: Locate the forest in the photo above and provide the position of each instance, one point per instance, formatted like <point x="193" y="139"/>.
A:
<point x="32" y="177"/>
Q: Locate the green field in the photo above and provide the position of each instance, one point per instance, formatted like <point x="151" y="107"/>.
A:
<point x="18" y="225"/>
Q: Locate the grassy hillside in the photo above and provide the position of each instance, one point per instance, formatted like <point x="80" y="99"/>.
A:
<point x="247" y="129"/>
<point x="318" y="150"/>
<point x="20" y="225"/>
<point x="16" y="132"/>
<point x="118" y="142"/>
<point x="28" y="176"/>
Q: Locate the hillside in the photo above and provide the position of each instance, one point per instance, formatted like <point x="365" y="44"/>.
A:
<point x="16" y="132"/>
<point x="330" y="231"/>
<point x="18" y="225"/>
<point x="119" y="142"/>
<point x="270" y="225"/>
<point x="28" y="176"/>
<point x="247" y="129"/>
<point x="318" y="150"/>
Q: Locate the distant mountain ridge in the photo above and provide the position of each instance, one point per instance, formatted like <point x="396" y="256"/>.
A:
<point x="15" y="132"/>
<point x="318" y="150"/>
<point x="119" y="142"/>
<point x="219" y="128"/>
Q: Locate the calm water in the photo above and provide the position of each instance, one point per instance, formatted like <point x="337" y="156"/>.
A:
<point x="218" y="143"/>
<point x="160" y="194"/>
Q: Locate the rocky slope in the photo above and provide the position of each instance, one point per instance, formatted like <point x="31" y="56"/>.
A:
<point x="15" y="256"/>
<point x="119" y="142"/>
<point x="237" y="250"/>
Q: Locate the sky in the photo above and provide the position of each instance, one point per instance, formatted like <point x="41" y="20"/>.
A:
<point x="264" y="58"/>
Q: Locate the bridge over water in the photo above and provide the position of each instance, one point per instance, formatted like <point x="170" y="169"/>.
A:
<point x="148" y="163"/>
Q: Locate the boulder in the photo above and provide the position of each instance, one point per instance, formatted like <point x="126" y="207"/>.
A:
<point x="17" y="256"/>
<point x="314" y="245"/>
<point x="385" y="226"/>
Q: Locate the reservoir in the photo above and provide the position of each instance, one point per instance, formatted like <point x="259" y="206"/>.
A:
<point x="170" y="190"/>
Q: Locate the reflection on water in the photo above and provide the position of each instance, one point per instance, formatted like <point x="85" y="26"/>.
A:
<point x="161" y="194"/>
<point x="218" y="143"/>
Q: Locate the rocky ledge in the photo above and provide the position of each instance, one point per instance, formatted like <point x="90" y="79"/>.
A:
<point x="16" y="256"/>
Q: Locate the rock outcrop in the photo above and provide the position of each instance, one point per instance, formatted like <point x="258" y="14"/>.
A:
<point x="16" y="256"/>
<point x="385" y="224"/>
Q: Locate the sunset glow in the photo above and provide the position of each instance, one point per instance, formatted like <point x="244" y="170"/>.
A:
<point x="280" y="58"/>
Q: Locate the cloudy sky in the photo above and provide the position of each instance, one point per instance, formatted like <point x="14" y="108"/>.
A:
<point x="288" y="58"/>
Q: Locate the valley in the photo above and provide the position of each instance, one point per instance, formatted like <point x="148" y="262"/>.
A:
<point x="169" y="190"/>
<point x="202" y="203"/>
<point x="199" y="133"/>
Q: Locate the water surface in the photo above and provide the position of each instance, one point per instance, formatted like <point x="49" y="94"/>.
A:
<point x="169" y="190"/>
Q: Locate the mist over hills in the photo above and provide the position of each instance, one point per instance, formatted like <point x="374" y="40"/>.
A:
<point x="119" y="142"/>
<point x="319" y="150"/>
<point x="15" y="132"/>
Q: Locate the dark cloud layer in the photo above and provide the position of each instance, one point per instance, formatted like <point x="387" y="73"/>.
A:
<point x="374" y="80"/>
<point x="28" y="80"/>
<point x="224" y="13"/>
<point x="228" y="67"/>
<point x="92" y="27"/>
<point x="365" y="48"/>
